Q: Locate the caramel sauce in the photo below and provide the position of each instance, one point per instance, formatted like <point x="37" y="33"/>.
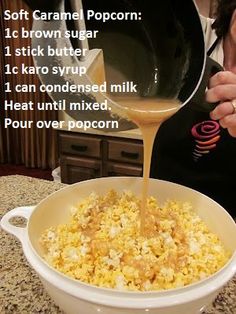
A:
<point x="147" y="114"/>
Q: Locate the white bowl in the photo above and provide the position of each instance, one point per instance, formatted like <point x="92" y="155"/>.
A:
<point x="74" y="296"/>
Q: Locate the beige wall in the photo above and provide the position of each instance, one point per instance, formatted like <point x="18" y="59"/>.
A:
<point x="206" y="7"/>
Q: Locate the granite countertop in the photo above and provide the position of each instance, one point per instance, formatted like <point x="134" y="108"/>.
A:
<point x="21" y="291"/>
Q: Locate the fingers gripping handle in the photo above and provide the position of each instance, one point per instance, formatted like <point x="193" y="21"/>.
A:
<point x="6" y="225"/>
<point x="199" y="99"/>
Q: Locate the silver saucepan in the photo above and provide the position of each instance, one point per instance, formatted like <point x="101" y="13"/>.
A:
<point x="163" y="53"/>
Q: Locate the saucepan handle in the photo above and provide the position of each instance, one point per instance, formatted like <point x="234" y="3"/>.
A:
<point x="199" y="99"/>
<point x="6" y="225"/>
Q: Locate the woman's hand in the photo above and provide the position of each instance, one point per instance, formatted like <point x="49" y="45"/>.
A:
<point x="222" y="88"/>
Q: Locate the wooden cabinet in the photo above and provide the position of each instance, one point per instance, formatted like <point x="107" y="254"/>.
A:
<point x="80" y="145"/>
<point x="74" y="169"/>
<point x="125" y="151"/>
<point x="119" y="169"/>
<point x="84" y="157"/>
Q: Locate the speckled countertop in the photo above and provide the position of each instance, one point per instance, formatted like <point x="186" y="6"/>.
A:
<point x="21" y="292"/>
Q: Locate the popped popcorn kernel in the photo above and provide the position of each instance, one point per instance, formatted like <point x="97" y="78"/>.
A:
<point x="101" y="244"/>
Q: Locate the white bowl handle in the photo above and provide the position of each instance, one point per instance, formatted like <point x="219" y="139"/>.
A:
<point x="18" y="232"/>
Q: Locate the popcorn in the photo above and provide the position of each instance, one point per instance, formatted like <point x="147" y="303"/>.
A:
<point x="101" y="244"/>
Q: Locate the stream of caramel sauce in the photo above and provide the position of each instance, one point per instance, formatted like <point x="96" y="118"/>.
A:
<point x="148" y="114"/>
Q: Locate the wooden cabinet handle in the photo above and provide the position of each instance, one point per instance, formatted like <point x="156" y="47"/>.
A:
<point x="79" y="148"/>
<point x="129" y="155"/>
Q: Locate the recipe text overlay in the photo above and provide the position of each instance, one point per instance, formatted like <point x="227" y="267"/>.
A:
<point x="69" y="80"/>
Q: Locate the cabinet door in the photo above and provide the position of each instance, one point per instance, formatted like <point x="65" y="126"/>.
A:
<point x="117" y="169"/>
<point x="80" y="145"/>
<point x="125" y="151"/>
<point x="75" y="169"/>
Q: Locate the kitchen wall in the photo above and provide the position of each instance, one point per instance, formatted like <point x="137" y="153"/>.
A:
<point x="35" y="148"/>
<point x="206" y="7"/>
